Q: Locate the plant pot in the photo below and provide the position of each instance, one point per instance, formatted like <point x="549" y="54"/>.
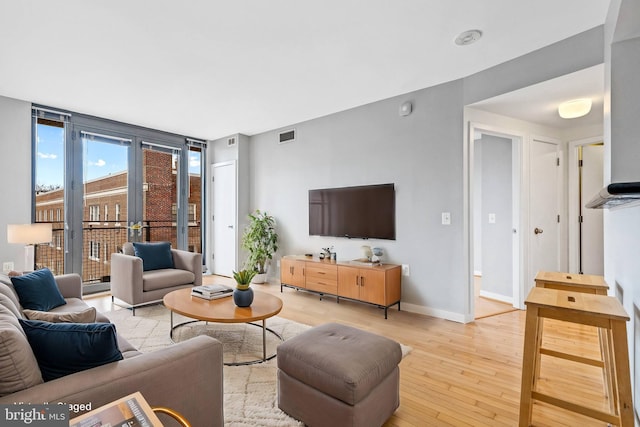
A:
<point x="259" y="278"/>
<point x="243" y="298"/>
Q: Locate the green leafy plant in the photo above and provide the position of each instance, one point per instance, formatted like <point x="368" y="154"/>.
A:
<point x="261" y="240"/>
<point x="243" y="278"/>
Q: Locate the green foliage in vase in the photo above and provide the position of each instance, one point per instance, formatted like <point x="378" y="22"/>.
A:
<point x="243" y="278"/>
<point x="261" y="240"/>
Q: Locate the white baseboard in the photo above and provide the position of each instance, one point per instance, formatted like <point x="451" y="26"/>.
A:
<point x="497" y="297"/>
<point x="434" y="312"/>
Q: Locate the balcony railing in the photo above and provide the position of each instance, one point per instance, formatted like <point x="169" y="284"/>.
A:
<point x="101" y="239"/>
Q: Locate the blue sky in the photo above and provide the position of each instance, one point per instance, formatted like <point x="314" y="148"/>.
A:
<point x="101" y="159"/>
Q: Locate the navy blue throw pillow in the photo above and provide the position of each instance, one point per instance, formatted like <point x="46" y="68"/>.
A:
<point x="38" y="290"/>
<point x="155" y="255"/>
<point x="65" y="348"/>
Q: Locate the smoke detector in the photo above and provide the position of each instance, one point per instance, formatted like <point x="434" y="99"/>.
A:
<point x="468" y="37"/>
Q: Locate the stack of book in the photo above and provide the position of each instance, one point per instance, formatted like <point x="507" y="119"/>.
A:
<point x="211" y="291"/>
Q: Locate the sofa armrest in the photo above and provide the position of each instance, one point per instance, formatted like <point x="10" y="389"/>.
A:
<point x="190" y="261"/>
<point x="186" y="377"/>
<point x="126" y="278"/>
<point x="70" y="285"/>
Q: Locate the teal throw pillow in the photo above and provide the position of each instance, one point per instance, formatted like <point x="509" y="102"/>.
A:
<point x="38" y="290"/>
<point x="155" y="255"/>
<point x="65" y="348"/>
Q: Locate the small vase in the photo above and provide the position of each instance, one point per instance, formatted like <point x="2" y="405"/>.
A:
<point x="243" y="298"/>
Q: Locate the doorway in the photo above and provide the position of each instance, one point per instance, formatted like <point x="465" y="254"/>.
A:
<point x="495" y="192"/>
<point x="586" y="250"/>
<point x="224" y="201"/>
<point x="535" y="215"/>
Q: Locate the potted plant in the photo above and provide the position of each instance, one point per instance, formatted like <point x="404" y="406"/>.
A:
<point x="243" y="294"/>
<point x="261" y="240"/>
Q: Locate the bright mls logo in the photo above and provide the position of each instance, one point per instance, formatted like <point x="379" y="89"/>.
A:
<point x="34" y="415"/>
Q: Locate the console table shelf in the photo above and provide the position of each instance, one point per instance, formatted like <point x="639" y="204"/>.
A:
<point x="377" y="284"/>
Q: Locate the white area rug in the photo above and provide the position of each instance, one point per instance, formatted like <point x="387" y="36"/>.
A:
<point x="249" y="391"/>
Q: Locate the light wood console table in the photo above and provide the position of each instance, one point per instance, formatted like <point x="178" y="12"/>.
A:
<point x="377" y="284"/>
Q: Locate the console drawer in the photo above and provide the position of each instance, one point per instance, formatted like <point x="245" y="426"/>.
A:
<point x="322" y="285"/>
<point x="323" y="272"/>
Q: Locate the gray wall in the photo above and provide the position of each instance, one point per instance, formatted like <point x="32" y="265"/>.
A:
<point x="622" y="127"/>
<point x="497" y="271"/>
<point x="15" y="173"/>
<point x="420" y="153"/>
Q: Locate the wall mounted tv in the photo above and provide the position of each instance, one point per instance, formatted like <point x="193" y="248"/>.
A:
<point x="366" y="212"/>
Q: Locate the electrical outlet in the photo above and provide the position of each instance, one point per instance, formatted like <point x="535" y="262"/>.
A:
<point x="446" y="218"/>
<point x="492" y="218"/>
<point x="7" y="266"/>
<point x="405" y="270"/>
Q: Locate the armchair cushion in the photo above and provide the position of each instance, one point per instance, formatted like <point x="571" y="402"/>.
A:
<point x="38" y="290"/>
<point x="155" y="255"/>
<point x="161" y="279"/>
<point x="65" y="348"/>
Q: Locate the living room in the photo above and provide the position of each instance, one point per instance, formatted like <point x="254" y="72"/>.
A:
<point x="422" y="153"/>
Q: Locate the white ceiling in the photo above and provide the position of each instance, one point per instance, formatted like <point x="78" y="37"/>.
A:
<point x="210" y="68"/>
<point x="539" y="103"/>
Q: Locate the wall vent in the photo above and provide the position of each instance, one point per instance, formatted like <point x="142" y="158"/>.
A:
<point x="287" y="136"/>
<point x="231" y="141"/>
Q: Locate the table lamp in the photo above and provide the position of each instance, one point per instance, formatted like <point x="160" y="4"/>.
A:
<point x="29" y="235"/>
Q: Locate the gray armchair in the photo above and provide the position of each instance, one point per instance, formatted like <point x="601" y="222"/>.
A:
<point x="135" y="287"/>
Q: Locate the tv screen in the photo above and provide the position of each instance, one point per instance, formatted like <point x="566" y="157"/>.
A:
<point x="367" y="212"/>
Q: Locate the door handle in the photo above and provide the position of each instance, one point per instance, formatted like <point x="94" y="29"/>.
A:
<point x="229" y="226"/>
<point x="538" y="230"/>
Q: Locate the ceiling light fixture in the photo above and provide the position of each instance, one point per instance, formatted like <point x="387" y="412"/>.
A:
<point x="468" y="37"/>
<point x="574" y="108"/>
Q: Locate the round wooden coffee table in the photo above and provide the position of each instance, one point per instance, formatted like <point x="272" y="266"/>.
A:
<point x="224" y="310"/>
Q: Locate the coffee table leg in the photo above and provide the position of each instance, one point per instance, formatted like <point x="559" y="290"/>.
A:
<point x="171" y="330"/>
<point x="264" y="339"/>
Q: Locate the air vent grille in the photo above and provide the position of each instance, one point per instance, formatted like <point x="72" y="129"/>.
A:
<point x="286" y="136"/>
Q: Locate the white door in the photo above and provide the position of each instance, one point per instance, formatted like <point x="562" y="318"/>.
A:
<point x="592" y="244"/>
<point x="544" y="209"/>
<point x="224" y="218"/>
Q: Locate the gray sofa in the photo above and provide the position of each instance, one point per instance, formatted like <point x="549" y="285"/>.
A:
<point x="135" y="287"/>
<point x="186" y="377"/>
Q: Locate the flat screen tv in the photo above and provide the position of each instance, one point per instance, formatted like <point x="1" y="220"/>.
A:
<point x="366" y="212"/>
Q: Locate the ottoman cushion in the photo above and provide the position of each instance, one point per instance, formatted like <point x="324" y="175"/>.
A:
<point x="340" y="361"/>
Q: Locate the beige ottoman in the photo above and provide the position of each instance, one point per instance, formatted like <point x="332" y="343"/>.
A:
<point x="336" y="375"/>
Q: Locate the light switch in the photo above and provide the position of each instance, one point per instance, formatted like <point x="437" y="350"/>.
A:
<point x="446" y="218"/>
<point x="492" y="218"/>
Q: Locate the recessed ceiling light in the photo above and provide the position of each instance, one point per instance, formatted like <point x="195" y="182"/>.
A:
<point x="574" y="108"/>
<point x="468" y="37"/>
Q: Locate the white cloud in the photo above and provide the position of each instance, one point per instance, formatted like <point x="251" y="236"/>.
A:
<point x="194" y="161"/>
<point x="47" y="155"/>
<point x="100" y="163"/>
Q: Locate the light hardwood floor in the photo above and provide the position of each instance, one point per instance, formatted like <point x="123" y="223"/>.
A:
<point x="458" y="374"/>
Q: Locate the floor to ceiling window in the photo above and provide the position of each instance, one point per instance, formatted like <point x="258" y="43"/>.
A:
<point x="102" y="183"/>
<point x="48" y="190"/>
<point x="105" y="185"/>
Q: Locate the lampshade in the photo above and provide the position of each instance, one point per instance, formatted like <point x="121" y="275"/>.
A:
<point x="575" y="108"/>
<point x="29" y="234"/>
